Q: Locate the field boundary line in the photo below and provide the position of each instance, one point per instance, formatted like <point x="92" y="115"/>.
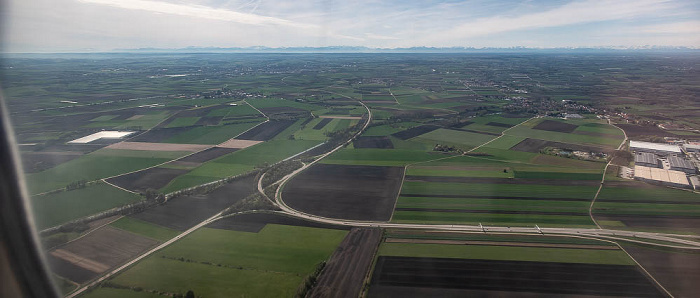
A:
<point x="259" y="111"/>
<point x="392" y="95"/>
<point x="396" y="202"/>
<point x="119" y="187"/>
<point x="602" y="180"/>
<point x="89" y="232"/>
<point x="645" y="271"/>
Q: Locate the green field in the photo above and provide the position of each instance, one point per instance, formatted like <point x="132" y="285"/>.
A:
<point x="485" y="252"/>
<point x="239" y="162"/>
<point x="380" y="157"/>
<point x="57" y="208"/>
<point x="457" y="171"/>
<point x="466" y="140"/>
<point x="495" y="219"/>
<point x="182" y="122"/>
<point x="647" y="193"/>
<point x="143" y="228"/>
<point x="505" y="142"/>
<point x="96" y="165"/>
<point x="526" y="130"/>
<point x="505" y="190"/>
<point x="223" y="263"/>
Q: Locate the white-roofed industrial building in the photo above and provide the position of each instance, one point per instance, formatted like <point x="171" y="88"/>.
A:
<point x="692" y="147"/>
<point x="681" y="164"/>
<point x="661" y="176"/>
<point x="657" y="148"/>
<point x="646" y="159"/>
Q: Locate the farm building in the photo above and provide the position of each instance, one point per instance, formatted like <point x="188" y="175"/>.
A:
<point x="682" y="165"/>
<point x="657" y="148"/>
<point x="665" y="177"/>
<point x="646" y="159"/>
<point x="692" y="147"/>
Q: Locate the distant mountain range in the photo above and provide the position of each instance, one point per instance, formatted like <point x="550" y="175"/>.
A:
<point x="360" y="49"/>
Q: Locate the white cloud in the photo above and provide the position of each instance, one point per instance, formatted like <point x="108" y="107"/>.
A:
<point x="381" y="37"/>
<point x="687" y="27"/>
<point x="199" y="11"/>
<point x="579" y="12"/>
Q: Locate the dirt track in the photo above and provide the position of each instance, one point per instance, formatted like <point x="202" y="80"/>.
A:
<point x="346" y="270"/>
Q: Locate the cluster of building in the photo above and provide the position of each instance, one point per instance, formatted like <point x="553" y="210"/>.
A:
<point x="667" y="164"/>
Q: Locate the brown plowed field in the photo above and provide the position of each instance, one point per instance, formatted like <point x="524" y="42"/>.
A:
<point x="345" y="272"/>
<point x="556" y="126"/>
<point x="633" y="131"/>
<point x="266" y="131"/>
<point x="678" y="272"/>
<point x="184" y="212"/>
<point x="346" y="192"/>
<point x="415" y="131"/>
<point x="207" y="155"/>
<point x="381" y="142"/>
<point x="238" y="144"/>
<point x="322" y="123"/>
<point x="545" y="278"/>
<point x="153" y="178"/>
<point x="99" y="251"/>
<point x="145" y="146"/>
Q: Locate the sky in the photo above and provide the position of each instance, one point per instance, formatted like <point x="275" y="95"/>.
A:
<point x="105" y="25"/>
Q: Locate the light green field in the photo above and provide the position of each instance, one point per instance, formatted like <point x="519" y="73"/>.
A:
<point x="646" y="193"/>
<point x="182" y="122"/>
<point x="526" y="130"/>
<point x="493" y="204"/>
<point x="143" y="228"/>
<point x="281" y="256"/>
<point x="457" y="171"/>
<point x="379" y="157"/>
<point x="507" y="253"/>
<point x="520" y="220"/>
<point x="239" y="162"/>
<point x="464" y="139"/>
<point x="504" y="142"/>
<point x="96" y="165"/>
<point x="57" y="208"/>
<point x="146" y="121"/>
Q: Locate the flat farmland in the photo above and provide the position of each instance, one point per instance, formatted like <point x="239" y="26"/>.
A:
<point x="345" y="272"/>
<point x="153" y="178"/>
<point x="528" y="130"/>
<point x="457" y="170"/>
<point x="224" y="263"/>
<point x="96" y="165"/>
<point x="211" y="135"/>
<point x="535" y="146"/>
<point x="208" y="154"/>
<point x="240" y="162"/>
<point x="677" y="271"/>
<point x="648" y="207"/>
<point x="183" y="212"/>
<point x="380" y="142"/>
<point x="414" y="131"/>
<point x="266" y="131"/>
<point x="380" y="157"/>
<point x="347" y="192"/>
<point x="556" y="126"/>
<point x="420" y="277"/>
<point x="145" y="229"/>
<point x="493" y="203"/>
<point x="97" y="252"/>
<point x="462" y="138"/>
<point x="57" y="208"/>
<point x="33" y="162"/>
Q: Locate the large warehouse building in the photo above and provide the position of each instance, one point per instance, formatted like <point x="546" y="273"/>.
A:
<point x="680" y="164"/>
<point x="665" y="177"/>
<point x="646" y="159"/>
<point x="656" y="148"/>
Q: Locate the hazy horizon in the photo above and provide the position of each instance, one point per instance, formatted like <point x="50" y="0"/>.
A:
<point x="107" y="25"/>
